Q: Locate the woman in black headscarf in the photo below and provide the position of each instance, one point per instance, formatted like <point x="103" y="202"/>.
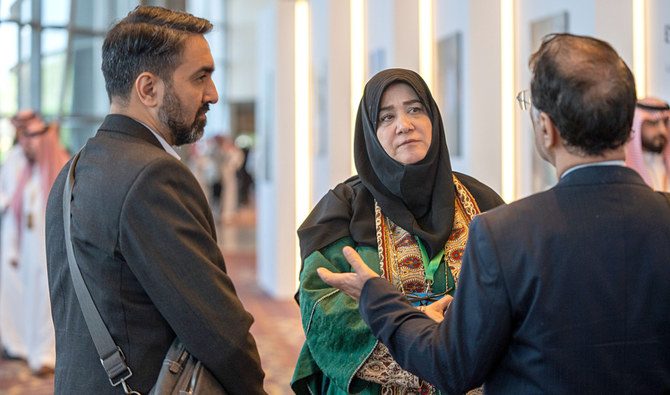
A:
<point x="405" y="213"/>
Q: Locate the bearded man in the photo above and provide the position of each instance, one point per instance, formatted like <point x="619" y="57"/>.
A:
<point x="142" y="231"/>
<point x="648" y="152"/>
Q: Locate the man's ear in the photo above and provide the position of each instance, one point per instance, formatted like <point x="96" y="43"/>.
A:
<point x="149" y="88"/>
<point x="550" y="134"/>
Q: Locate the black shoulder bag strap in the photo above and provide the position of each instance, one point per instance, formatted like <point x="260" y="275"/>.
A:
<point x="111" y="356"/>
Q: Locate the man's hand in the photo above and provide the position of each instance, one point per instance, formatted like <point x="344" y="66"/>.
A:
<point x="349" y="283"/>
<point x="436" y="309"/>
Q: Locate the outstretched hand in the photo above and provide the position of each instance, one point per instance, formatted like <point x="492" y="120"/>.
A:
<point x="352" y="283"/>
<point x="349" y="283"/>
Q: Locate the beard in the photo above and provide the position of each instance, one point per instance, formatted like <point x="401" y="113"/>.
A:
<point x="171" y="115"/>
<point x="655" y="144"/>
<point x="30" y="155"/>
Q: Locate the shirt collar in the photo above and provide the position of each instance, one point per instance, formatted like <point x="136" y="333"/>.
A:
<point x="604" y="163"/>
<point x="167" y="147"/>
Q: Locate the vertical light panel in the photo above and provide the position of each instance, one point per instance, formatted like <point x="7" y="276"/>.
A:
<point x="507" y="99"/>
<point x="357" y="55"/>
<point x="639" y="44"/>
<point x="302" y="110"/>
<point x="426" y="41"/>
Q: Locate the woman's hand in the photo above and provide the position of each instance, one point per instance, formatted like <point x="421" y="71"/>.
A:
<point x="436" y="309"/>
<point x="349" y="283"/>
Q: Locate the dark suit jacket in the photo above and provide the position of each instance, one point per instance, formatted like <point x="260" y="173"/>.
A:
<point x="564" y="292"/>
<point x="145" y="241"/>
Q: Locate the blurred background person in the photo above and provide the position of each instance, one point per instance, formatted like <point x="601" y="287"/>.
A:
<point x="230" y="160"/>
<point x="648" y="152"/>
<point x="10" y="173"/>
<point x="25" y="312"/>
<point x="245" y="178"/>
<point x="198" y="158"/>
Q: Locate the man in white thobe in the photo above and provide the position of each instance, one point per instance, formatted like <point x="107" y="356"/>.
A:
<point x="12" y="330"/>
<point x="25" y="311"/>
<point x="648" y="151"/>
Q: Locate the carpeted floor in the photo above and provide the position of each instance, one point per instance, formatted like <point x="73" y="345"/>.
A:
<point x="16" y="378"/>
<point x="277" y="327"/>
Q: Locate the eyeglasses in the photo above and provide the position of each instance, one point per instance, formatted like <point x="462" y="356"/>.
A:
<point x="523" y="98"/>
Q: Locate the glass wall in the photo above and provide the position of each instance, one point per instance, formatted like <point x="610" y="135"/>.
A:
<point x="52" y="56"/>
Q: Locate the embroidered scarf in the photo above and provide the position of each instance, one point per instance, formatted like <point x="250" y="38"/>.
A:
<point x="401" y="264"/>
<point x="400" y="254"/>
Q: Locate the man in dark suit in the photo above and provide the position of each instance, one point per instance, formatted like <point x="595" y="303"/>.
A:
<point x="566" y="291"/>
<point x="142" y="230"/>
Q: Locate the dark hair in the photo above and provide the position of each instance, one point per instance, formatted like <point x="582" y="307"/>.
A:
<point x="147" y="39"/>
<point x="586" y="89"/>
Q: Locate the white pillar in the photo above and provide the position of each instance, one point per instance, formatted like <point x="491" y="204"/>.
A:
<point x="330" y="112"/>
<point x="614" y="24"/>
<point x="392" y="34"/>
<point x="485" y="84"/>
<point x="331" y="95"/>
<point x="275" y="155"/>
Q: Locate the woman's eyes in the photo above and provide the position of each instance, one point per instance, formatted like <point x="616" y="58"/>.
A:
<point x="410" y="110"/>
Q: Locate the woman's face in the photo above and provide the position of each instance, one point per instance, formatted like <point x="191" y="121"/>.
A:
<point x="404" y="128"/>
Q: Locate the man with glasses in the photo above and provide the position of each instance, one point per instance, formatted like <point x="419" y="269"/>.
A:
<point x="566" y="291"/>
<point x="648" y="151"/>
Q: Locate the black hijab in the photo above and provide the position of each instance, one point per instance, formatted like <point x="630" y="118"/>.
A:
<point x="418" y="197"/>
